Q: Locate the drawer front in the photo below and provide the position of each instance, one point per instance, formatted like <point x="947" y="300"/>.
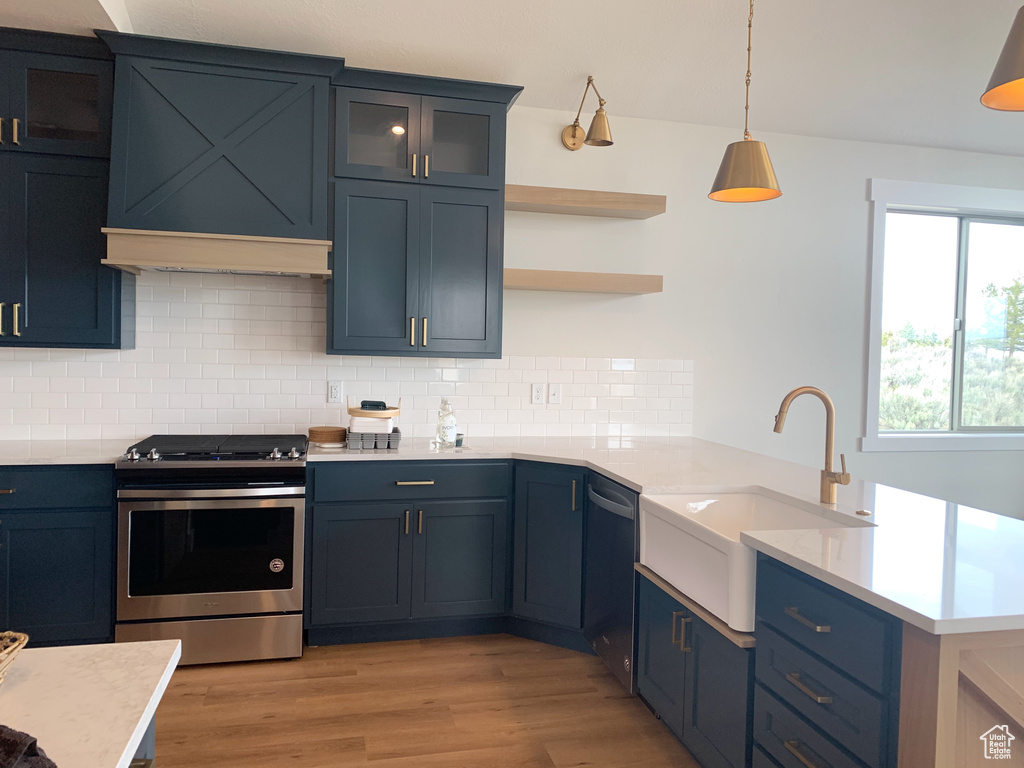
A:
<point x="790" y="739"/>
<point x="851" y="715"/>
<point x="56" y="487"/>
<point x="853" y="636"/>
<point x="410" y="480"/>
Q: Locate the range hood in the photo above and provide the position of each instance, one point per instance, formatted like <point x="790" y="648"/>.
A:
<point x="136" y="250"/>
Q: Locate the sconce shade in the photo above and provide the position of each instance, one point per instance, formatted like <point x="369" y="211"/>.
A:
<point x="600" y="134"/>
<point x="1006" y="87"/>
<point x="745" y="175"/>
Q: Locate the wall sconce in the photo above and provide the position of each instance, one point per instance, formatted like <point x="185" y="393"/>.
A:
<point x="1006" y="87"/>
<point x="599" y="135"/>
<point x="746" y="174"/>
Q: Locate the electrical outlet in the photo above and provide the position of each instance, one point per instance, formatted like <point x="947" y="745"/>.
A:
<point x="554" y="393"/>
<point x="537" y="394"/>
<point x="335" y="391"/>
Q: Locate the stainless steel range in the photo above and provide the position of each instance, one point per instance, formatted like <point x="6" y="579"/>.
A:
<point x="210" y="544"/>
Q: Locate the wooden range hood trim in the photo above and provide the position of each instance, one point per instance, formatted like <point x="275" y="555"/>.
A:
<point x="134" y="250"/>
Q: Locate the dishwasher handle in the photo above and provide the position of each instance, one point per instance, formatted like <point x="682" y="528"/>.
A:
<point x="615" y="507"/>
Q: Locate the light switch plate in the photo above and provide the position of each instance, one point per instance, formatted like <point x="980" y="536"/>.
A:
<point x="554" y="393"/>
<point x="537" y="394"/>
<point x="335" y="391"/>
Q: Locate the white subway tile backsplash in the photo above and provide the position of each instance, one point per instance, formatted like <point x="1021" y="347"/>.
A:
<point x="240" y="353"/>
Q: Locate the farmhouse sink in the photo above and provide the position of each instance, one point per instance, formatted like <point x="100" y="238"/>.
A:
<point x="693" y="541"/>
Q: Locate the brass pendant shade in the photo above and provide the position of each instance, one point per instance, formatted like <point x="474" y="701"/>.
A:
<point x="600" y="133"/>
<point x="745" y="175"/>
<point x="1006" y="87"/>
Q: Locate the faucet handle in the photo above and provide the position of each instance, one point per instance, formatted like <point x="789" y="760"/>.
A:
<point x="842" y="478"/>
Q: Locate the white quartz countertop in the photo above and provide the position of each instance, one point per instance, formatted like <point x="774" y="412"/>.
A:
<point x="88" y="706"/>
<point x="942" y="567"/>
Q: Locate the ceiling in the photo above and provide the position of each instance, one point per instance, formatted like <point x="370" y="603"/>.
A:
<point x="898" y="71"/>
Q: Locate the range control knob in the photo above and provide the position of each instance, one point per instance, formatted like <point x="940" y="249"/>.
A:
<point x="294" y="453"/>
<point x="153" y="455"/>
<point x="132" y="455"/>
<point x="275" y="454"/>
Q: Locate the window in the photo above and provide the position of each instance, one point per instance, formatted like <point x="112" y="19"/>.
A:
<point x="947" y="320"/>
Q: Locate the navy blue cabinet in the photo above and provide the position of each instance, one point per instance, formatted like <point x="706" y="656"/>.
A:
<point x="391" y="136"/>
<point x="548" y="564"/>
<point x="361" y="563"/>
<point x="219" y="140"/>
<point x="416" y="271"/>
<point x="699" y="682"/>
<point x="56" y="553"/>
<point x="828" y="673"/>
<point x="401" y="558"/>
<point x="53" y="290"/>
<point x="55" y="118"/>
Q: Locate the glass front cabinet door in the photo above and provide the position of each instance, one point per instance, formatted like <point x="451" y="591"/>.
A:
<point x="57" y="104"/>
<point x="390" y="136"/>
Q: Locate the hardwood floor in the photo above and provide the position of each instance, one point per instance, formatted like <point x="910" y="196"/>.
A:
<point x="493" y="701"/>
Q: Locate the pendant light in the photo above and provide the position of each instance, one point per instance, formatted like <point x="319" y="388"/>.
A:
<point x="746" y="174"/>
<point x="1006" y="87"/>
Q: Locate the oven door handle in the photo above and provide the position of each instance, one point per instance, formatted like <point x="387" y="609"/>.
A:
<point x="211" y="493"/>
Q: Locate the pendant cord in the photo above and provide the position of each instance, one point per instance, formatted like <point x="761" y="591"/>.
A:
<point x="746" y="108"/>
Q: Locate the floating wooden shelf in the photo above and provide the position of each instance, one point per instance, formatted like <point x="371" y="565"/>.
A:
<point x="581" y="282"/>
<point x="582" y="202"/>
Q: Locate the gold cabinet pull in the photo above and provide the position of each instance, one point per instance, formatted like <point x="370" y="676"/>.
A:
<point x="573" y="509"/>
<point x="14" y="123"/>
<point x="793" y="678"/>
<point x="414" y="165"/>
<point x="675" y="635"/>
<point x="794" y="749"/>
<point x="682" y="632"/>
<point x="7" y="491"/>
<point x="426" y="166"/>
<point x="412" y="331"/>
<point x="407" y="522"/>
<point x="423" y="341"/>
<point x="794" y="613"/>
<point x="16" y="331"/>
<point x="414" y="482"/>
<point x="419" y="521"/>
<point x="2" y="307"/>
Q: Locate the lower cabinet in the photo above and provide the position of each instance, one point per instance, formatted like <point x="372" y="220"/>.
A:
<point x="415" y="555"/>
<point x="56" y="559"/>
<point x="548" y="564"/>
<point x="698" y="681"/>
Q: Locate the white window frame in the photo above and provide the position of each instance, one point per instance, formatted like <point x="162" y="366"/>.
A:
<point x="885" y="195"/>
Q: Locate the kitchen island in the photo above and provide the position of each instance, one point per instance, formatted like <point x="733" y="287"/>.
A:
<point x="89" y="706"/>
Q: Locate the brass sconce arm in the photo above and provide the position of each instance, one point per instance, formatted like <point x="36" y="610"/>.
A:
<point x="599" y="135"/>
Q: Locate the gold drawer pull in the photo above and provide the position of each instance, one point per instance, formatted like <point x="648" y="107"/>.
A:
<point x="7" y="491"/>
<point x="573" y="509"/>
<point x="407" y="522"/>
<point x="419" y="521"/>
<point x="794" y="679"/>
<point x="676" y="615"/>
<point x="794" y="749"/>
<point x="682" y="640"/>
<point x="794" y="613"/>
<point x="414" y="482"/>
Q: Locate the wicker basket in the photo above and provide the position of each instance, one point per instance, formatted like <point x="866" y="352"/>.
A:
<point x="327" y="435"/>
<point x="11" y="644"/>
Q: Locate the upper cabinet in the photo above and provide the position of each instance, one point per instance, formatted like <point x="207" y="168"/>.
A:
<point x="54" y="103"/>
<point x="420" y="139"/>
<point x="219" y="140"/>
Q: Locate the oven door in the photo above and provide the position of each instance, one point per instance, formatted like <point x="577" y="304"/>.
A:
<point x="181" y="558"/>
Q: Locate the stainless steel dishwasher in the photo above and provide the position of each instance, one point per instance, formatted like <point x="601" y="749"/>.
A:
<point x="612" y="549"/>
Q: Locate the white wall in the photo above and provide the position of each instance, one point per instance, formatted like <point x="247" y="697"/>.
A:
<point x="763" y="297"/>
